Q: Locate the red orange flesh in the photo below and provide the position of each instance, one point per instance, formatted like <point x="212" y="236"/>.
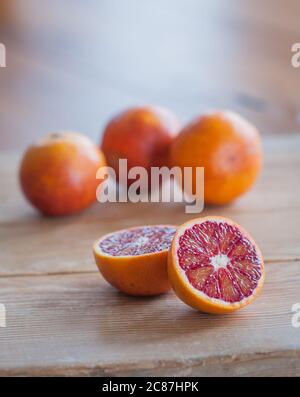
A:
<point x="135" y="260"/>
<point x="214" y="265"/>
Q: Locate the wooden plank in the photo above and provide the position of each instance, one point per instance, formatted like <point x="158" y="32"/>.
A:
<point x="31" y="244"/>
<point x="61" y="246"/>
<point x="78" y="324"/>
<point x="280" y="176"/>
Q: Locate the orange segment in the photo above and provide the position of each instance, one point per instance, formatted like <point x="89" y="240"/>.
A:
<point x="134" y="260"/>
<point x="214" y="265"/>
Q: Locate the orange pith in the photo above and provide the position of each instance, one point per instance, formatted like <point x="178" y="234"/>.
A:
<point x="229" y="149"/>
<point x="135" y="260"/>
<point x="214" y="265"/>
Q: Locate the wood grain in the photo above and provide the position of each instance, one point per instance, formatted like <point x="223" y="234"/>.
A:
<point x="72" y="324"/>
<point x="31" y="244"/>
<point x="64" y="319"/>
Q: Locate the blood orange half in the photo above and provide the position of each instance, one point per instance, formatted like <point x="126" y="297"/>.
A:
<point x="135" y="260"/>
<point x="214" y="265"/>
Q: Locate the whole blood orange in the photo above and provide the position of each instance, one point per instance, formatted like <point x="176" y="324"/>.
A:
<point x="214" y="265"/>
<point x="58" y="173"/>
<point x="134" y="260"/>
<point x="229" y="149"/>
<point x="141" y="135"/>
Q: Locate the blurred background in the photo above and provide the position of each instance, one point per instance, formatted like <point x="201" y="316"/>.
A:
<point x="71" y="64"/>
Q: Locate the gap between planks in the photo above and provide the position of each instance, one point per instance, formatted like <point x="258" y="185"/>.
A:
<point x="75" y="272"/>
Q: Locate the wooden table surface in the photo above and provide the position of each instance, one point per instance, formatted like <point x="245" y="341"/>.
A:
<point x="64" y="319"/>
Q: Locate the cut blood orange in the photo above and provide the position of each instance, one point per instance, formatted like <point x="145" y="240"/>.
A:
<point x="214" y="265"/>
<point x="135" y="260"/>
